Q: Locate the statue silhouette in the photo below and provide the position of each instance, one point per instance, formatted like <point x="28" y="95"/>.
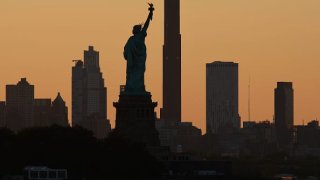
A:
<point x="135" y="52"/>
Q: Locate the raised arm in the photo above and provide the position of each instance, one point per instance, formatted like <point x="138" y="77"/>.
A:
<point x="146" y="24"/>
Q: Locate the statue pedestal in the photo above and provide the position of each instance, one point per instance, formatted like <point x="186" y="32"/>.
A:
<point x="135" y="119"/>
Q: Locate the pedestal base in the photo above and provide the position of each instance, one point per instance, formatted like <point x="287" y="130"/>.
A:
<point x="135" y="119"/>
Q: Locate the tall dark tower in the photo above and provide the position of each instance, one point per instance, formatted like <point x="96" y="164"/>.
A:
<point x="89" y="95"/>
<point x="222" y="96"/>
<point x="171" y="110"/>
<point x="284" y="112"/>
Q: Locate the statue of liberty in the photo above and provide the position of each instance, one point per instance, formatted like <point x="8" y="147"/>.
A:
<point x="135" y="53"/>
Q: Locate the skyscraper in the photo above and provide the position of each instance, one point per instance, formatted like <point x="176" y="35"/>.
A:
<point x="171" y="110"/>
<point x="19" y="105"/>
<point x="59" y="112"/>
<point x="89" y="95"/>
<point x="95" y="89"/>
<point x="222" y="109"/>
<point x="78" y="94"/>
<point x="284" y="113"/>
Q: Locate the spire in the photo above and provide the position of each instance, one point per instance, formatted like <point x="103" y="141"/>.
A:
<point x="23" y="81"/>
<point x="58" y="99"/>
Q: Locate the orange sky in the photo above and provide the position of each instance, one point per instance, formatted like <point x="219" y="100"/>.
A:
<point x="273" y="40"/>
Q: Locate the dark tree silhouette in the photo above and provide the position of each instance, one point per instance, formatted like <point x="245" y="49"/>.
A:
<point x="76" y="150"/>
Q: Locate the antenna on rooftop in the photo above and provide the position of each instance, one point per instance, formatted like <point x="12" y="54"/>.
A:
<point x="249" y="99"/>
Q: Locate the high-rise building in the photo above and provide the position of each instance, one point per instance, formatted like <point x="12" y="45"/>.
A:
<point x="96" y="91"/>
<point x="222" y="109"/>
<point x="19" y="105"/>
<point x="78" y="94"/>
<point x="89" y="95"/>
<point x="284" y="112"/>
<point x="171" y="110"/>
<point x="42" y="112"/>
<point x="59" y="112"/>
<point x="2" y="114"/>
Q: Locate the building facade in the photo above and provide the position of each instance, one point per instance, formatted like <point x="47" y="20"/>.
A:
<point x="42" y="112"/>
<point x="78" y="94"/>
<point x="43" y="172"/>
<point x="95" y="90"/>
<point x="59" y="112"/>
<point x="179" y="137"/>
<point x="171" y="110"/>
<point x="89" y="94"/>
<point x="2" y="114"/>
<point x="20" y="105"/>
<point x="284" y="112"/>
<point x="222" y="109"/>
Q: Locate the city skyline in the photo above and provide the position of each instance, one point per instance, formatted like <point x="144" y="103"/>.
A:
<point x="44" y="61"/>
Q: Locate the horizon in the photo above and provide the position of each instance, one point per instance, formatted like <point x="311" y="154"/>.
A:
<point x="51" y="34"/>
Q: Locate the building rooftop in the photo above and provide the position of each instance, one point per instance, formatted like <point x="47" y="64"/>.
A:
<point x="23" y="81"/>
<point x="284" y="84"/>
<point x="58" y="99"/>
<point x="222" y="63"/>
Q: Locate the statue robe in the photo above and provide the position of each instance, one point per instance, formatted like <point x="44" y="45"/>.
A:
<point x="135" y="52"/>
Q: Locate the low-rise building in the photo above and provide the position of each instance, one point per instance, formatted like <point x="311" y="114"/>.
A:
<point x="179" y="136"/>
<point x="45" y="173"/>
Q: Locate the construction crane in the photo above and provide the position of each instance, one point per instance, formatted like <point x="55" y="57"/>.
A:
<point x="77" y="61"/>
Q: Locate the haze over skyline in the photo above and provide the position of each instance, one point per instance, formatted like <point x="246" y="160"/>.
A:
<point x="272" y="41"/>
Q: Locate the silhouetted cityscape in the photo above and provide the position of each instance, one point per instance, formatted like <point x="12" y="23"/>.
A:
<point x="21" y="110"/>
<point x="147" y="145"/>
